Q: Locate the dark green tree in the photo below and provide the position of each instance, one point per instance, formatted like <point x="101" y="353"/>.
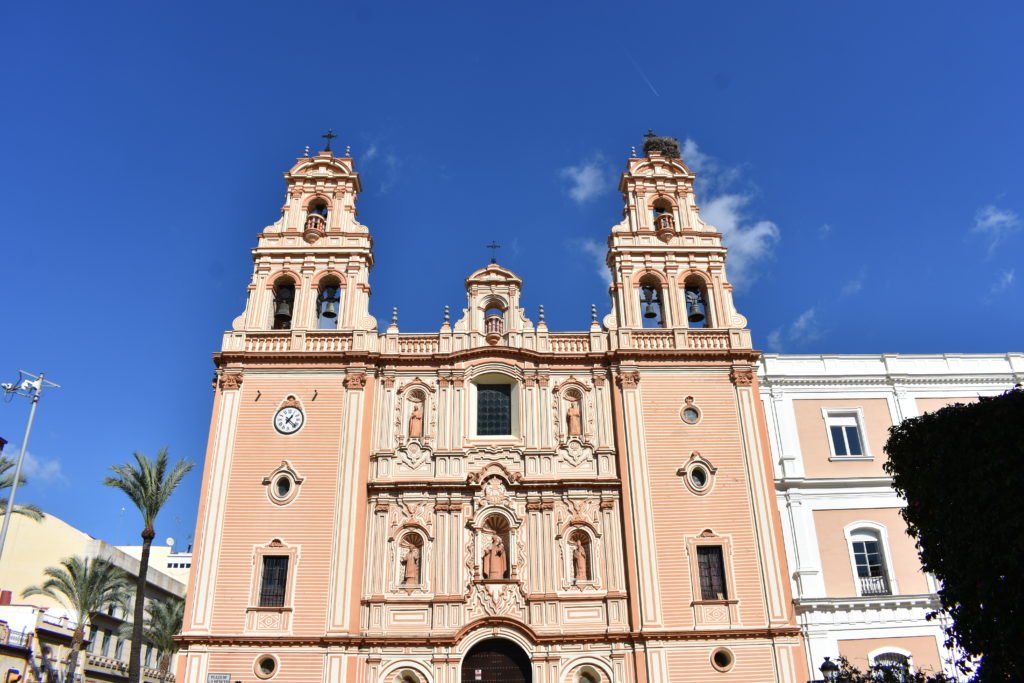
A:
<point x="164" y="619"/>
<point x="149" y="483"/>
<point x="848" y="673"/>
<point x="86" y="587"/>
<point x="7" y="467"/>
<point x="961" y="469"/>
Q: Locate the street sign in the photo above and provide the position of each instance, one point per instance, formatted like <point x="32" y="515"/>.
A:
<point x="218" y="678"/>
<point x="478" y="674"/>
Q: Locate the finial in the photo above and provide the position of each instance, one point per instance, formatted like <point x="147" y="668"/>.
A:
<point x="348" y="150"/>
<point x="447" y="316"/>
<point x="329" y="136"/>
<point x="593" y="313"/>
<point x="306" y="153"/>
<point x="632" y="151"/>
<point x="394" y="315"/>
<point x="494" y="247"/>
<point x="540" y="312"/>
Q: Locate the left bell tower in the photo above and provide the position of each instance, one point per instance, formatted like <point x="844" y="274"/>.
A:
<point x="311" y="267"/>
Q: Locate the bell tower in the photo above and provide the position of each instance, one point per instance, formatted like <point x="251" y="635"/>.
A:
<point x="311" y="267"/>
<point x="668" y="265"/>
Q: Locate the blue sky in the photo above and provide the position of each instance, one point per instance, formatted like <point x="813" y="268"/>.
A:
<point x="863" y="160"/>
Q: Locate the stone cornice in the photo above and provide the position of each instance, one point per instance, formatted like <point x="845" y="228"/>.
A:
<point x="451" y="639"/>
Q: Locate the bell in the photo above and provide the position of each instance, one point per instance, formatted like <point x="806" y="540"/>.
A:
<point x="283" y="312"/>
<point x="329" y="309"/>
<point x="649" y="311"/>
<point x="695" y="315"/>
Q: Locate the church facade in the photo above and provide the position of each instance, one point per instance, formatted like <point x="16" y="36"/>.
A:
<point x="496" y="501"/>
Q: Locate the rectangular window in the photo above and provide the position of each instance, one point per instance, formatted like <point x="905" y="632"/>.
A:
<point x="149" y="655"/>
<point x="119" y="650"/>
<point x="92" y="640"/>
<point x="274" y="581"/>
<point x="105" y="650"/>
<point x="494" y="409"/>
<point x="712" y="573"/>
<point x="844" y="433"/>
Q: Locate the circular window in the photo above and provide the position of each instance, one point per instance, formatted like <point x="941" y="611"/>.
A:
<point x="266" y="666"/>
<point x="722" y="659"/>
<point x="283" y="486"/>
<point x="690" y="414"/>
<point x="699" y="477"/>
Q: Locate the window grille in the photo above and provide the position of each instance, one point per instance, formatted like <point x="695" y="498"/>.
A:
<point x="275" y="579"/>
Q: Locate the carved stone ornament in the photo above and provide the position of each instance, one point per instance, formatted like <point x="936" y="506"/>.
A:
<point x="230" y="380"/>
<point x="494" y="494"/>
<point x="742" y="377"/>
<point x="417" y="514"/>
<point x="355" y="380"/>
<point x="575" y="452"/>
<point x="628" y="380"/>
<point x="577" y="512"/>
<point x="413" y="455"/>
<point x="496" y="599"/>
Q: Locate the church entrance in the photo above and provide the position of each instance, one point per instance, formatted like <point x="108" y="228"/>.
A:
<point x="496" y="661"/>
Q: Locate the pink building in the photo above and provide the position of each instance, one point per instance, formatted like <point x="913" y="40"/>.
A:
<point x="492" y="501"/>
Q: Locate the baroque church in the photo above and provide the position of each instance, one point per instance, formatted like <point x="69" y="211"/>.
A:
<point x="498" y="502"/>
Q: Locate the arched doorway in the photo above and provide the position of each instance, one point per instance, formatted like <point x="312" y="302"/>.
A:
<point x="496" y="661"/>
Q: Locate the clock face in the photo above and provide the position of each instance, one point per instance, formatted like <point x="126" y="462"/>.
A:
<point x="289" y="420"/>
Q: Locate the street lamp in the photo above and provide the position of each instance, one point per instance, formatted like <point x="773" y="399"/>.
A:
<point x="830" y="670"/>
<point x="29" y="388"/>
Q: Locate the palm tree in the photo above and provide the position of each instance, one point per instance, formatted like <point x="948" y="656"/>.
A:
<point x="6" y="482"/>
<point x="149" y="484"/>
<point x="164" y="619"/>
<point x="85" y="587"/>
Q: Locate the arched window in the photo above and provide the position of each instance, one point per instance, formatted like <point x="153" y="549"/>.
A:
<point x="495" y="563"/>
<point x="494" y="320"/>
<point x="662" y="215"/>
<point x="284" y="301"/>
<point x="316" y="218"/>
<point x="695" y="297"/>
<point x="894" y="666"/>
<point x="869" y="563"/>
<point x="328" y="303"/>
<point x="652" y="302"/>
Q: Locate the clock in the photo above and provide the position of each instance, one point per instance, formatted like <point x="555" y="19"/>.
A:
<point x="288" y="420"/>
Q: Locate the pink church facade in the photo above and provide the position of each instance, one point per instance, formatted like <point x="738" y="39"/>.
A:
<point x="491" y="501"/>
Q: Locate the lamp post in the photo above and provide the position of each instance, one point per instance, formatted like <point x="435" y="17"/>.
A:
<point x="829" y="672"/>
<point x="30" y="388"/>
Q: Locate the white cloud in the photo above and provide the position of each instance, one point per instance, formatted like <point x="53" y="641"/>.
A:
<point x="855" y="285"/>
<point x="802" y="330"/>
<point x="597" y="251"/>
<point x="996" y="224"/>
<point x="1004" y="281"/>
<point x="587" y="179"/>
<point x="726" y="198"/>
<point x="370" y="154"/>
<point x="35" y="469"/>
<point x="825" y="230"/>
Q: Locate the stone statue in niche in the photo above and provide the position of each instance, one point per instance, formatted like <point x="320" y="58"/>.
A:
<point x="579" y="562"/>
<point x="411" y="561"/>
<point x="495" y="561"/>
<point x="416" y="422"/>
<point x="572" y="419"/>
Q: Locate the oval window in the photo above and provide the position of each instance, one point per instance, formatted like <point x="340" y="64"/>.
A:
<point x="283" y="486"/>
<point x="699" y="477"/>
<point x="266" y="667"/>
<point x="690" y="414"/>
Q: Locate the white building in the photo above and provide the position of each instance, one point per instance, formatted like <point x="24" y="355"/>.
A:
<point x="857" y="584"/>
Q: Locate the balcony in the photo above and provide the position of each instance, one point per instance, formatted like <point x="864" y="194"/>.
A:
<point x="19" y="639"/>
<point x="874" y="585"/>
